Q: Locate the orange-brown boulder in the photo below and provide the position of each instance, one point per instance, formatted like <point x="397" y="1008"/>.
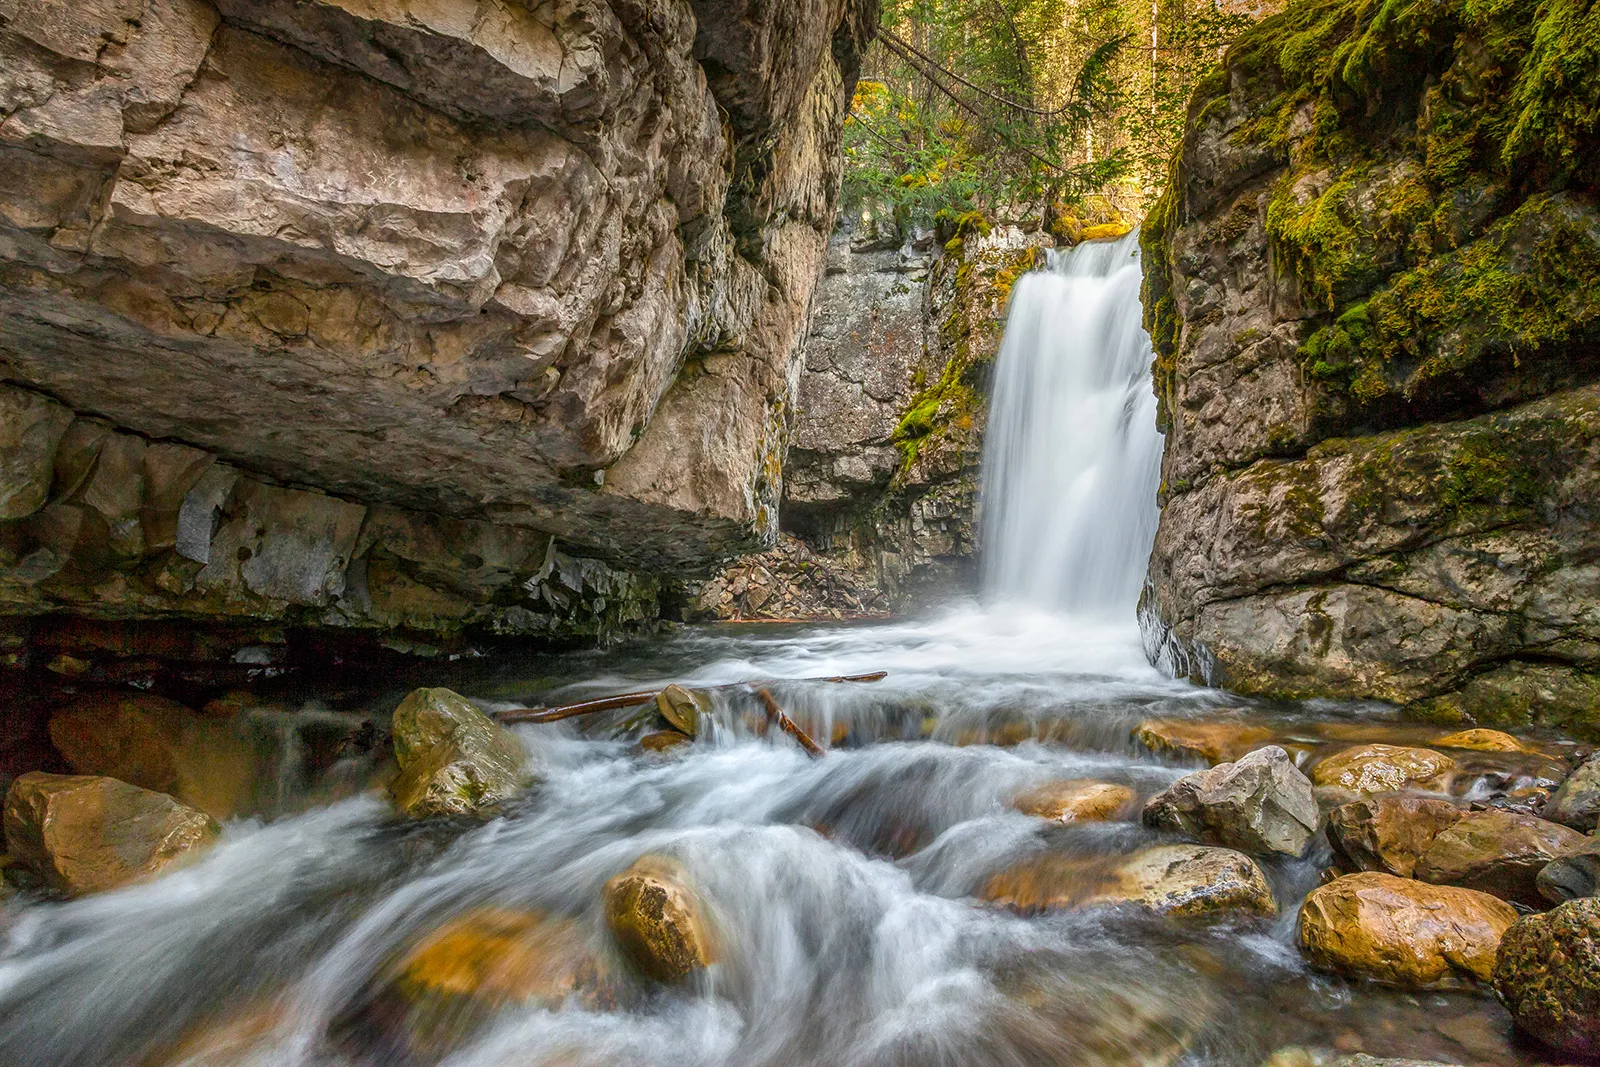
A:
<point x="1380" y="768"/>
<point x="1076" y="800"/>
<point x="657" y="920"/>
<point x="1214" y="742"/>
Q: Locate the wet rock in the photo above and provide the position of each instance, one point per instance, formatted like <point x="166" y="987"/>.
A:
<point x="1402" y="932"/>
<point x="1548" y="976"/>
<point x="1177" y="880"/>
<point x="243" y="1038"/>
<point x="1529" y="800"/>
<point x="31" y="427"/>
<point x="1259" y="804"/>
<point x="1388" y="833"/>
<point x="134" y="737"/>
<point x="659" y="924"/>
<point x="1076" y="800"/>
<point x="684" y="708"/>
<point x="1496" y="852"/>
<point x="85" y="834"/>
<point x="1380" y="768"/>
<point x="1214" y="742"/>
<point x="454" y="759"/>
<point x="1482" y="741"/>
<point x="1573" y="874"/>
<point x="664" y="741"/>
<point x="455" y="977"/>
<point x="1296" y="1056"/>
<point x="1576" y="803"/>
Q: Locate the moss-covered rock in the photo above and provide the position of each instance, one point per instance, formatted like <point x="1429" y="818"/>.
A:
<point x="454" y="759"/>
<point x="1548" y="976"/>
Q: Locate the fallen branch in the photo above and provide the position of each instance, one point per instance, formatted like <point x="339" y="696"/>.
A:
<point x="789" y="726"/>
<point x="629" y="700"/>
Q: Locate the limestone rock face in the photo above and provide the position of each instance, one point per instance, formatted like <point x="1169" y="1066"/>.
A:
<point x="1548" y="976"/>
<point x="542" y="268"/>
<point x="1377" y="469"/>
<point x="1497" y="852"/>
<point x="1260" y="804"/>
<point x="85" y="834"/>
<point x="1405" y="933"/>
<point x="1388" y="833"/>
<point x="454" y="759"/>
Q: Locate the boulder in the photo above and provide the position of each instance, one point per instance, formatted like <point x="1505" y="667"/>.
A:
<point x="664" y="740"/>
<point x="85" y="834"/>
<point x="1388" y="833"/>
<point x="1573" y="874"/>
<point x="1481" y="740"/>
<point x="134" y="737"/>
<point x="1075" y="800"/>
<point x="1496" y="852"/>
<point x="1259" y="804"/>
<point x="1379" y="768"/>
<point x="659" y="924"/>
<point x="684" y="708"/>
<point x="454" y="759"/>
<point x="1213" y="742"/>
<point x="1402" y="932"/>
<point x="1177" y="880"/>
<point x="1548" y="976"/>
<point x="1576" y="803"/>
<point x="1297" y="1056"/>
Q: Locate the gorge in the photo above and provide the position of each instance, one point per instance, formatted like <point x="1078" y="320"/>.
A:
<point x="1150" y="625"/>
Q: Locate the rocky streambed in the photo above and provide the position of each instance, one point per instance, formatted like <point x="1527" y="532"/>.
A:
<point x="1022" y="845"/>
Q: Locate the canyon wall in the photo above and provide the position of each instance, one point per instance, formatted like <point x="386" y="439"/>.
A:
<point x="418" y="314"/>
<point x="1374" y="291"/>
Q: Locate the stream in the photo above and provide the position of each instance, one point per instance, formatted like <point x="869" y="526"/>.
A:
<point x="844" y="890"/>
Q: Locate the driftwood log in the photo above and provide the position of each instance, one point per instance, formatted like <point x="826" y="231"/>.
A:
<point x="629" y="700"/>
<point x="788" y="725"/>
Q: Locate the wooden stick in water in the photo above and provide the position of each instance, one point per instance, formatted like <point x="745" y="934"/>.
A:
<point x="789" y="726"/>
<point x="629" y="700"/>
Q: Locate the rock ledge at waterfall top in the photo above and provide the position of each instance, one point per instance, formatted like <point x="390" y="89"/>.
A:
<point x="335" y="265"/>
<point x="1374" y="293"/>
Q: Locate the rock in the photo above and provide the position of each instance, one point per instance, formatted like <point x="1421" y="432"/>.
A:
<point x="684" y="708"/>
<point x="458" y="974"/>
<point x="1075" y="800"/>
<point x="1496" y="852"/>
<point x="84" y="834"/>
<point x="454" y="759"/>
<point x="1214" y="742"/>
<point x="659" y="924"/>
<point x="1402" y="932"/>
<point x="1576" y="802"/>
<point x="1481" y="740"/>
<point x="135" y="737"/>
<point x="1177" y="880"/>
<point x="1380" y="768"/>
<point x="1296" y="1056"/>
<point x="1548" y="976"/>
<point x="1388" y="833"/>
<point x="1573" y="874"/>
<point x="1259" y="804"/>
<point x="664" y="741"/>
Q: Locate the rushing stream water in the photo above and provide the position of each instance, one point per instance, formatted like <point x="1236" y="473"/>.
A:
<point x="841" y="888"/>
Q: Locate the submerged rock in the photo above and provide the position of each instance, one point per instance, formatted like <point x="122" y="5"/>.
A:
<point x="1259" y="804"/>
<point x="1573" y="874"/>
<point x="1402" y="932"/>
<point x="1576" y="803"/>
<point x="1214" y="742"/>
<point x="664" y="740"/>
<point x="659" y="924"/>
<point x="1380" y="768"/>
<point x="84" y="834"/>
<point x="454" y="759"/>
<point x="1481" y="740"/>
<point x="1177" y="880"/>
<point x="1076" y="800"/>
<point x="684" y="708"/>
<point x="1297" y="1056"/>
<point x="1496" y="852"/>
<point x="1548" y="976"/>
<point x="1388" y="833"/>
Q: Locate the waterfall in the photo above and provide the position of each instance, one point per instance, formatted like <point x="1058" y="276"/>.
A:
<point x="1072" y="457"/>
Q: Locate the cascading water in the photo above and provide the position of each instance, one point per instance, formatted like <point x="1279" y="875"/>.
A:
<point x="844" y="891"/>
<point x="1071" y="455"/>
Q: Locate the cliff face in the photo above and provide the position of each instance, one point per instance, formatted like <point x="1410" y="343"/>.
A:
<point x="461" y="275"/>
<point x="1374" y="289"/>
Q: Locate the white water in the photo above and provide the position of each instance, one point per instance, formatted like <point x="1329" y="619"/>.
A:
<point x="1071" y="455"/>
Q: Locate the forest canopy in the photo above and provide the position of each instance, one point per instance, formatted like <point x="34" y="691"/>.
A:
<point x="1025" y="108"/>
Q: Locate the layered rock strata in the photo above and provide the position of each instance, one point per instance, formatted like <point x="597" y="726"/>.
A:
<point x="530" y="270"/>
<point x="1374" y="290"/>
